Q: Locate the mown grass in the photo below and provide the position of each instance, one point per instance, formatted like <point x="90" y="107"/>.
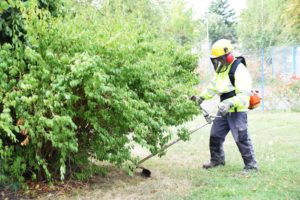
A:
<point x="276" y="138"/>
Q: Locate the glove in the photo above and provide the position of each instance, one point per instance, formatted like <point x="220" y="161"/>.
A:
<point x="193" y="98"/>
<point x="224" y="108"/>
<point x="199" y="100"/>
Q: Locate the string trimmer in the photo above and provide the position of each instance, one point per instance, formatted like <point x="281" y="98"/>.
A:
<point x="209" y="119"/>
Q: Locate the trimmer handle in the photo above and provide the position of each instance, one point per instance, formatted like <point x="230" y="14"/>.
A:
<point x="209" y="118"/>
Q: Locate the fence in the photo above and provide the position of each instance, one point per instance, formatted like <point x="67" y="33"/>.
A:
<point x="275" y="71"/>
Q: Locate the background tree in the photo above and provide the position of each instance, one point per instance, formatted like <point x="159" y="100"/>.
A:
<point x="291" y="18"/>
<point x="261" y="25"/>
<point x="221" y="21"/>
<point x="180" y="24"/>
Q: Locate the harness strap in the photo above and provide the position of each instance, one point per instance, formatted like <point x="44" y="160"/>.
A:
<point x="227" y="95"/>
<point x="232" y="70"/>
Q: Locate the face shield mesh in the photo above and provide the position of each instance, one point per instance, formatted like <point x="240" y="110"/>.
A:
<point x="220" y="64"/>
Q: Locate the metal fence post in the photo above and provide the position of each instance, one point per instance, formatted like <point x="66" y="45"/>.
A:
<point x="262" y="79"/>
<point x="284" y="60"/>
<point x="294" y="60"/>
<point x="272" y="62"/>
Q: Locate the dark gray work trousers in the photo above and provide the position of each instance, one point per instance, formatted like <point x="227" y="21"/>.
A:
<point x="237" y="123"/>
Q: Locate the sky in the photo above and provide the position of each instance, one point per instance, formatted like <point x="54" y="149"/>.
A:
<point x="201" y="6"/>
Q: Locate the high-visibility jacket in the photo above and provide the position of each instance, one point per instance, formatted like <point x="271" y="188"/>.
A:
<point x="220" y="84"/>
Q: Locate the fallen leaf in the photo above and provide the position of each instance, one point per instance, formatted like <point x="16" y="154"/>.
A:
<point x="25" y="142"/>
<point x="23" y="132"/>
<point x="20" y="121"/>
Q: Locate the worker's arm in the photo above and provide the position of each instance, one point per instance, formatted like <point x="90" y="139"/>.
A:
<point x="210" y="91"/>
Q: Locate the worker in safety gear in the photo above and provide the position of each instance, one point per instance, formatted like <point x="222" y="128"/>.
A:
<point x="234" y="88"/>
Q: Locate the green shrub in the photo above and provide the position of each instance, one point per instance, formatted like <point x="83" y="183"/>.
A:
<point x="81" y="84"/>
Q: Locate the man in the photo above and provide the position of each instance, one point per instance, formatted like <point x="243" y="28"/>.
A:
<point x="232" y="82"/>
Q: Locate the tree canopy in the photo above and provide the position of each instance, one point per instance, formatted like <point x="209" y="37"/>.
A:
<point x="268" y="23"/>
<point x="221" y="21"/>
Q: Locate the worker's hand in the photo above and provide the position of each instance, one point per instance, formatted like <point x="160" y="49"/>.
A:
<point x="193" y="98"/>
<point x="199" y="100"/>
<point x="224" y="108"/>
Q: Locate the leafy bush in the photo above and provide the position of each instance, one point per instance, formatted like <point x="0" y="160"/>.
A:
<point x="81" y="84"/>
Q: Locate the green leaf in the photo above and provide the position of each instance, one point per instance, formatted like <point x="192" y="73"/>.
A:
<point x="4" y="5"/>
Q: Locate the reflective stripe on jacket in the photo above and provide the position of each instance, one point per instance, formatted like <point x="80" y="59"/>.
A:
<point x="221" y="84"/>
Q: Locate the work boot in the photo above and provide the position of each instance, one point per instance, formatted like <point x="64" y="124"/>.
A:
<point x="249" y="168"/>
<point x="212" y="164"/>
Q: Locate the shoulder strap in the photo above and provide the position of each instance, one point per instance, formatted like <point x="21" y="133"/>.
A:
<point x="234" y="66"/>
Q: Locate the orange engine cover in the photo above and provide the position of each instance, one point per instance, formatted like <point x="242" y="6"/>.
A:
<point x="255" y="99"/>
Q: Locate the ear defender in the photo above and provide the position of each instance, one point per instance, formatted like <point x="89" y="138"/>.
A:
<point x="229" y="57"/>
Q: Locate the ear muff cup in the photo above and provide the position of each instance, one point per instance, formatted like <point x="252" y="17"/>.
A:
<point x="229" y="58"/>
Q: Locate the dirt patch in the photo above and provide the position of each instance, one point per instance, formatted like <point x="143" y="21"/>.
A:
<point x="118" y="185"/>
<point x="7" y="194"/>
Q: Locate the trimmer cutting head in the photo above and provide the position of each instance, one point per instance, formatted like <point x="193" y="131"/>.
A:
<point x="145" y="172"/>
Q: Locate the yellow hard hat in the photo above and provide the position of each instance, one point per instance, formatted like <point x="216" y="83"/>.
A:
<point x="221" y="48"/>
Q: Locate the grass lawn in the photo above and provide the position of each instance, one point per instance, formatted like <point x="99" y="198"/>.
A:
<point x="179" y="174"/>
